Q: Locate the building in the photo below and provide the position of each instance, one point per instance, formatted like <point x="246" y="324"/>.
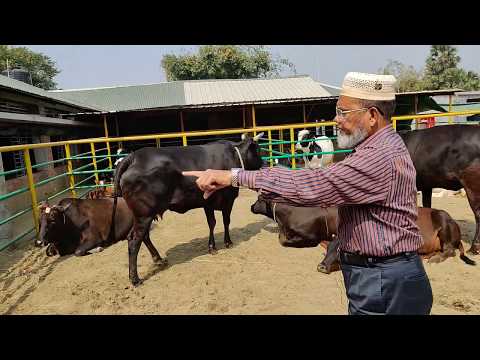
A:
<point x="32" y="115"/>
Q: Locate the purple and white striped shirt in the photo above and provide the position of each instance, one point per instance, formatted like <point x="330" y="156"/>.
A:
<point x="374" y="189"/>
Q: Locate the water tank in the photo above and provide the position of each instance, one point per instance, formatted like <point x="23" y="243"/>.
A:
<point x="18" y="74"/>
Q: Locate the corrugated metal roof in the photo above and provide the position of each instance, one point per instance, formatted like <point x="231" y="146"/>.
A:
<point x="135" y="97"/>
<point x="13" y="84"/>
<point x="334" y="90"/>
<point x="252" y="91"/>
<point x="199" y="93"/>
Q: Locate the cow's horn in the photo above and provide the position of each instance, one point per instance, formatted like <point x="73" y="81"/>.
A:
<point x="257" y="137"/>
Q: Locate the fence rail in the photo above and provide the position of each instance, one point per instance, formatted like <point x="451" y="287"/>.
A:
<point x="275" y="150"/>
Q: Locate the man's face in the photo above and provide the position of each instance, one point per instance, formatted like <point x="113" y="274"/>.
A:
<point x="353" y="127"/>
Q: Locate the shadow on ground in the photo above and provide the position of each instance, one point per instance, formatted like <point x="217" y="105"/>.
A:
<point x="186" y="252"/>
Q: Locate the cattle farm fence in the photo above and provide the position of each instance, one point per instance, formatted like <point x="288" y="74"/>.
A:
<point x="99" y="160"/>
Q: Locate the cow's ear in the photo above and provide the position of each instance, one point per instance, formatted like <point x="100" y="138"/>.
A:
<point x="43" y="205"/>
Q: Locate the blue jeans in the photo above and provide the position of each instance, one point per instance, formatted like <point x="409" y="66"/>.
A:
<point x="399" y="287"/>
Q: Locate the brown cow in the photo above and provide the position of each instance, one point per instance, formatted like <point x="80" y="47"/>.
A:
<point x="101" y="192"/>
<point x="441" y="235"/>
<point x="81" y="225"/>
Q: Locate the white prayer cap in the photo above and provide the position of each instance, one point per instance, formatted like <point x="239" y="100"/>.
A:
<point x="369" y="86"/>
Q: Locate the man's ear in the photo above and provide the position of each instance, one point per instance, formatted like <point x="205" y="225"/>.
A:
<point x="375" y="116"/>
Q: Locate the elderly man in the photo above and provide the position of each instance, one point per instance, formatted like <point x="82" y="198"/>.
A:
<point x="375" y="191"/>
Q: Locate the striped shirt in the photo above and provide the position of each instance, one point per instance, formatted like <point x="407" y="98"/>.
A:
<point x="374" y="189"/>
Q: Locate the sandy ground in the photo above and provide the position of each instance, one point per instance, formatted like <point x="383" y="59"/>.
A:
<point x="256" y="276"/>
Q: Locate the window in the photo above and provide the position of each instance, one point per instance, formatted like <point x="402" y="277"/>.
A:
<point x="58" y="152"/>
<point x="15" y="159"/>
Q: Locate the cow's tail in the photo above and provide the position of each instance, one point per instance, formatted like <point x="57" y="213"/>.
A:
<point x="463" y="257"/>
<point x="122" y="167"/>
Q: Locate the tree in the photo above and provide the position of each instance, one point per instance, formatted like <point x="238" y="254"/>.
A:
<point x="224" y="62"/>
<point x="408" y="79"/>
<point x="442" y="71"/>
<point x="40" y="66"/>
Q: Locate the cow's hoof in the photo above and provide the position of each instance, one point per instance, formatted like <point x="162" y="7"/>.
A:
<point x="323" y="269"/>
<point x="162" y="263"/>
<point x="212" y="251"/>
<point x="228" y="245"/>
<point x="474" y="250"/>
<point x="136" y="282"/>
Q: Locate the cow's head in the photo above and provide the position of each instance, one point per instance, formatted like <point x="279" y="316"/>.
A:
<point x="262" y="207"/>
<point x="44" y="205"/>
<point x="304" y="146"/>
<point x="51" y="219"/>
<point x="331" y="262"/>
<point x="250" y="151"/>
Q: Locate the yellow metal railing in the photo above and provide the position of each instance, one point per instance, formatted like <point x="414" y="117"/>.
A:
<point x="434" y="115"/>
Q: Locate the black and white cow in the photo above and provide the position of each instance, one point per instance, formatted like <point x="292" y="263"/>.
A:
<point x="316" y="145"/>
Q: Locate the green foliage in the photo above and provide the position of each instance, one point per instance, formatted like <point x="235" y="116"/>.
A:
<point x="442" y="71"/>
<point x="408" y="79"/>
<point x="41" y="67"/>
<point x="224" y="62"/>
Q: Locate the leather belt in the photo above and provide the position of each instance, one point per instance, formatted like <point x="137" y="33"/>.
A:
<point x="365" y="260"/>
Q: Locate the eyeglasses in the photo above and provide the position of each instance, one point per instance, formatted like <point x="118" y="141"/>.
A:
<point x="342" y="113"/>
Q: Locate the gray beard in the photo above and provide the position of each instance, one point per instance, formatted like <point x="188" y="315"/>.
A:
<point x="350" y="141"/>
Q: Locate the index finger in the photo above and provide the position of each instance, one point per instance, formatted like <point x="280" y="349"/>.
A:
<point x="192" y="173"/>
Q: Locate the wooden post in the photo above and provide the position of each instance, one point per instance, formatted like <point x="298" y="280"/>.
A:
<point x="280" y="137"/>
<point x="243" y="113"/>
<point x="182" y="125"/>
<point x="120" y="143"/>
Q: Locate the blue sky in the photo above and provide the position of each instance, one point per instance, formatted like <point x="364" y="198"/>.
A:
<point x="84" y="66"/>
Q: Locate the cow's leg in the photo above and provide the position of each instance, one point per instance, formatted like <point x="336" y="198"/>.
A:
<point x="140" y="227"/>
<point x="472" y="189"/>
<point x="427" y="198"/>
<point x="157" y="259"/>
<point x="211" y="224"/>
<point x="88" y="240"/>
<point x="226" y="224"/>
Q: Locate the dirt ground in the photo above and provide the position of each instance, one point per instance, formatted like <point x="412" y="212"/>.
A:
<point x="256" y="276"/>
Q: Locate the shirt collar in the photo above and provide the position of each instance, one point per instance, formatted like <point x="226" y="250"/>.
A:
<point x="376" y="138"/>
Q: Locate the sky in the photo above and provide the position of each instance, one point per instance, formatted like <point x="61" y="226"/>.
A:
<point x="87" y="66"/>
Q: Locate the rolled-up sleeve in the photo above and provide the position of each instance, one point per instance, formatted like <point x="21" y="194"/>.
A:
<point x="363" y="177"/>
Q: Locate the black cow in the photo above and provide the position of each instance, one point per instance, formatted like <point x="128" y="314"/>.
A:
<point x="299" y="226"/>
<point x="448" y="157"/>
<point x="151" y="182"/>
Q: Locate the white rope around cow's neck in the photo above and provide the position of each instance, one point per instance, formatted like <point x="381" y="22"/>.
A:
<point x="240" y="157"/>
